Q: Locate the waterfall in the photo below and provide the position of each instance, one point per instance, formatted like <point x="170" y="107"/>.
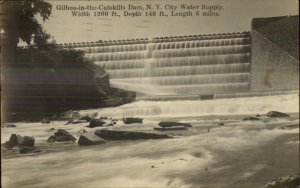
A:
<point x="176" y="66"/>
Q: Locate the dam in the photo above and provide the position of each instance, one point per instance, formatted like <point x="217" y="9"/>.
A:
<point x="187" y="65"/>
<point x="258" y="62"/>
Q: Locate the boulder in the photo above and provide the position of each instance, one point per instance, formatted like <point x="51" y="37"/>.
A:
<point x="26" y="149"/>
<point x="86" y="118"/>
<point x="51" y="129"/>
<point x="275" y="114"/>
<point x="128" y="135"/>
<point x="25" y="141"/>
<point x="87" y="139"/>
<point x="61" y="135"/>
<point x="173" y="128"/>
<point x="51" y="138"/>
<point x="250" y="119"/>
<point x="20" y="141"/>
<point x="291" y="181"/>
<point x="173" y="124"/>
<point x="72" y="121"/>
<point x="96" y="123"/>
<point x="130" y="120"/>
<point x="12" y="142"/>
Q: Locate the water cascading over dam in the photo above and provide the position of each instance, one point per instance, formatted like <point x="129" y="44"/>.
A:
<point x="188" y="65"/>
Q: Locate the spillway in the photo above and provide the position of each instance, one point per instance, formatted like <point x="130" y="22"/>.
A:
<point x="188" y="65"/>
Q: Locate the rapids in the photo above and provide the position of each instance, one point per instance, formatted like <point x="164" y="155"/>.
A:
<point x="236" y="154"/>
<point x="186" y="108"/>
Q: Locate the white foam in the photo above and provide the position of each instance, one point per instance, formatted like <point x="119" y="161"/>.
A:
<point x="250" y="105"/>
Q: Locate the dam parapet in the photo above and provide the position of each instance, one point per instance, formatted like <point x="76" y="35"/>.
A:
<point x="157" y="40"/>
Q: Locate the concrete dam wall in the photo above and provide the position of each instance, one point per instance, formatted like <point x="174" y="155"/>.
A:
<point x="188" y="65"/>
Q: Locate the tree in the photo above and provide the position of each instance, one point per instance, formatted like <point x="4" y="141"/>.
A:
<point x="19" y="20"/>
<point x="43" y="77"/>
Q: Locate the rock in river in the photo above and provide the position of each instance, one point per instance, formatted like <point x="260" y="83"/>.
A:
<point x="87" y="139"/>
<point x="250" y="118"/>
<point x="128" y="135"/>
<point x="173" y="124"/>
<point x="173" y="128"/>
<point x="130" y="120"/>
<point x="86" y="118"/>
<point x="73" y="121"/>
<point x="61" y="135"/>
<point x="25" y="141"/>
<point x="26" y="149"/>
<point x="12" y="142"/>
<point x="96" y="123"/>
<point x="291" y="181"/>
<point x="20" y="141"/>
<point x="276" y="114"/>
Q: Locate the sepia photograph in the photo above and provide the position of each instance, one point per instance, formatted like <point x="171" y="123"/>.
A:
<point x="149" y="93"/>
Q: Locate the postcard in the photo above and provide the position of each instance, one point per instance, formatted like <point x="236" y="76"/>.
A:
<point x="150" y="94"/>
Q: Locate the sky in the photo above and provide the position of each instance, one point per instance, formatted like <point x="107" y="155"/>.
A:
<point x="235" y="17"/>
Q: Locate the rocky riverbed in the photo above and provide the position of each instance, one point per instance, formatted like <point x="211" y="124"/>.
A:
<point x="215" y="151"/>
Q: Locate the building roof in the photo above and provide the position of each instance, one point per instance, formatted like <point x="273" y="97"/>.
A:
<point x="282" y="31"/>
